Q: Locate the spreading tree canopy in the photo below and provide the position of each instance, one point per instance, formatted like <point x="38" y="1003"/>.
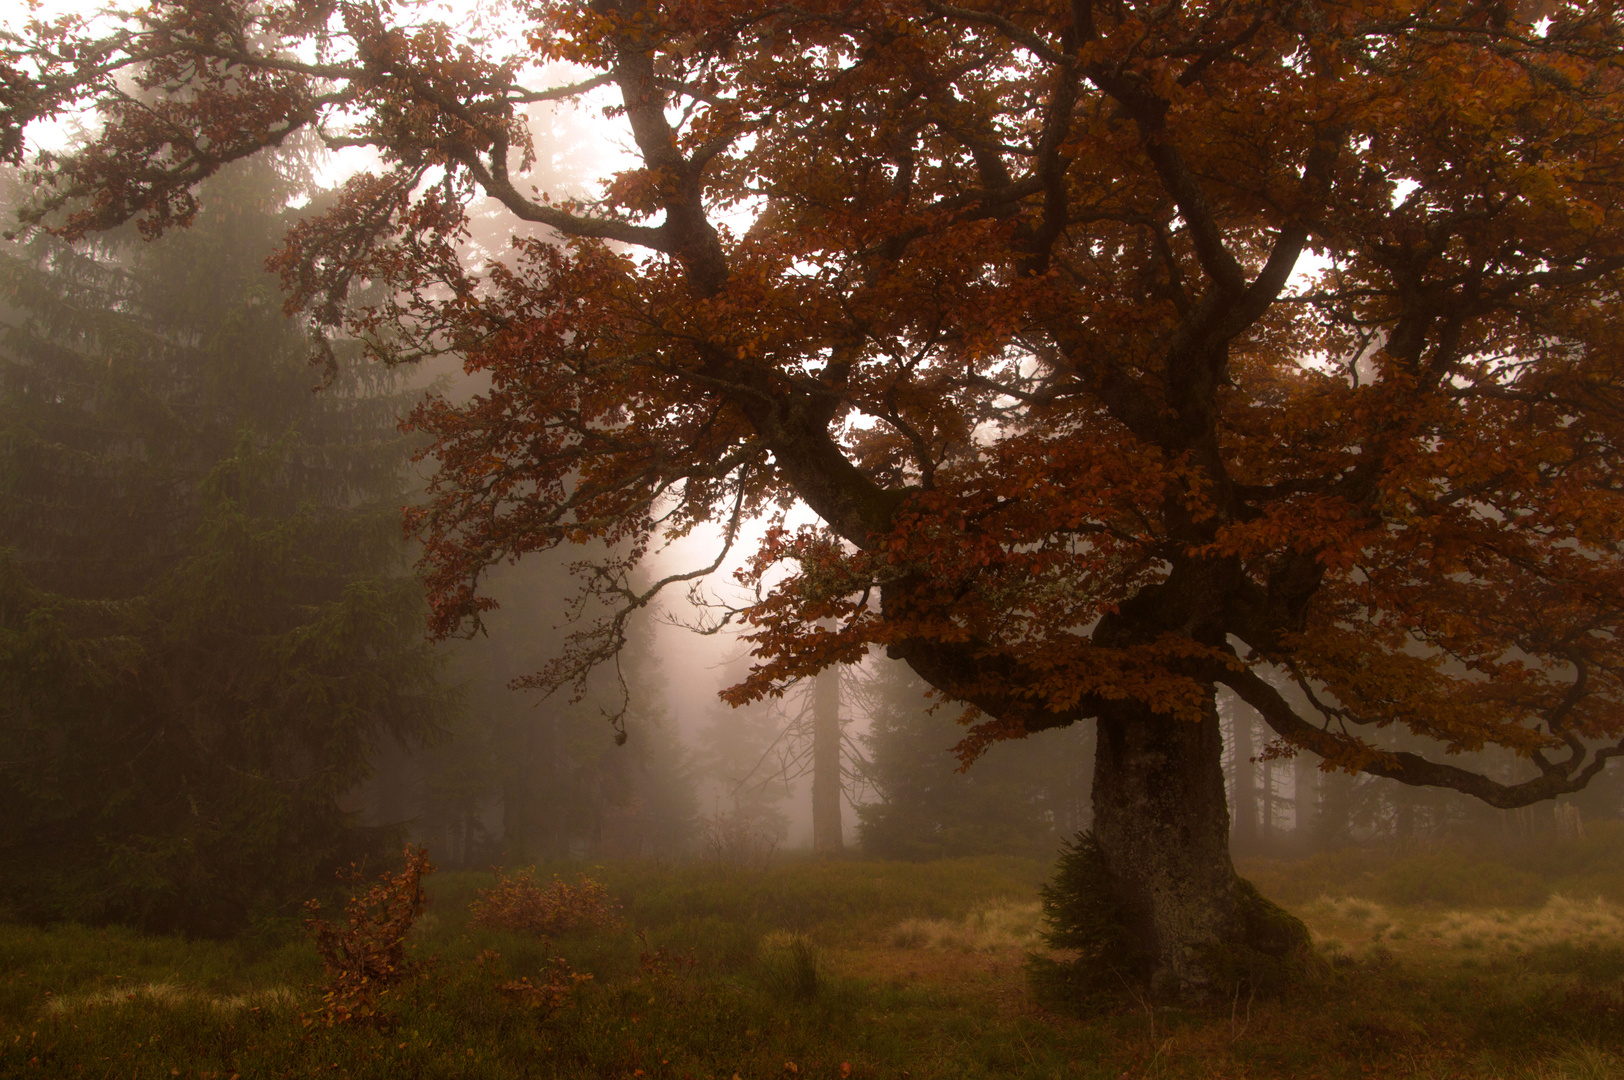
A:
<point x="1125" y="350"/>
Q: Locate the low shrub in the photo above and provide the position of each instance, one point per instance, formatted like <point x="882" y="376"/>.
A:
<point x="549" y="995"/>
<point x="519" y="903"/>
<point x="366" y="955"/>
<point x="739" y="837"/>
<point x="660" y="962"/>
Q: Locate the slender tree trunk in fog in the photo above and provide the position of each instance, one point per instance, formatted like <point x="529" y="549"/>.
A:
<point x="826" y="828"/>
<point x="1266" y="781"/>
<point x="1335" y="809"/>
<point x="518" y="797"/>
<point x="1244" y="806"/>
<point x="1304" y="798"/>
<point x="1403" y="816"/>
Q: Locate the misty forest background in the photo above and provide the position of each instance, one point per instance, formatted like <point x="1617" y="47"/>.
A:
<point x="215" y="687"/>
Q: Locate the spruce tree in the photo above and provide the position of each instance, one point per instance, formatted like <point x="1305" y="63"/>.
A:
<point x="206" y="623"/>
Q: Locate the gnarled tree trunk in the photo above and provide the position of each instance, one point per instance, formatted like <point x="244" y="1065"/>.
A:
<point x="1162" y="824"/>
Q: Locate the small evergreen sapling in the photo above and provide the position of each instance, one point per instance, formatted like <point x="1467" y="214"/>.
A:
<point x="1091" y="928"/>
<point x="1084" y="922"/>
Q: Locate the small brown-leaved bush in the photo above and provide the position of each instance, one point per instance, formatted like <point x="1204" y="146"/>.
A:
<point x="520" y="903"/>
<point x="367" y="954"/>
<point x="552" y="993"/>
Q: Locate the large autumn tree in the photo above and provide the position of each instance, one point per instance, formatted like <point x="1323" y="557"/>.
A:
<point x="1125" y="350"/>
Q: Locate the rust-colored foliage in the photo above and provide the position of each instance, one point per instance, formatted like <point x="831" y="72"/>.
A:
<point x="367" y="954"/>
<point x="551" y="993"/>
<point x="520" y="903"/>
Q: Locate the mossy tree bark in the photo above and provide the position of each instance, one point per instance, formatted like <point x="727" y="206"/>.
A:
<point x="1162" y="825"/>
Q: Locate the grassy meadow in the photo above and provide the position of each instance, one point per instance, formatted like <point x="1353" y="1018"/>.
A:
<point x="1441" y="963"/>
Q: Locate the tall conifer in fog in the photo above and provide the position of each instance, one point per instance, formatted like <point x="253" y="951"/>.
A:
<point x="205" y="619"/>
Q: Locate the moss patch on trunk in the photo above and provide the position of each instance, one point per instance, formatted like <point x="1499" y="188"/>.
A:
<point x="1100" y="960"/>
<point x="1276" y="950"/>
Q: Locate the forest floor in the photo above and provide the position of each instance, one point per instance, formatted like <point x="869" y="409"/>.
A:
<point x="861" y="969"/>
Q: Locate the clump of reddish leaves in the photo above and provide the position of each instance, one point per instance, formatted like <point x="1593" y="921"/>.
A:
<point x="520" y="903"/>
<point x="552" y="993"/>
<point x="367" y="954"/>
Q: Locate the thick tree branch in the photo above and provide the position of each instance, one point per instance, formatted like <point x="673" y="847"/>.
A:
<point x="1409" y="768"/>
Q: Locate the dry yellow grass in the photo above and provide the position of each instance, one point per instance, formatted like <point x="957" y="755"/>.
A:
<point x="1561" y="920"/>
<point x="171" y="996"/>
<point x="1340" y="924"/>
<point x="999" y="926"/>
